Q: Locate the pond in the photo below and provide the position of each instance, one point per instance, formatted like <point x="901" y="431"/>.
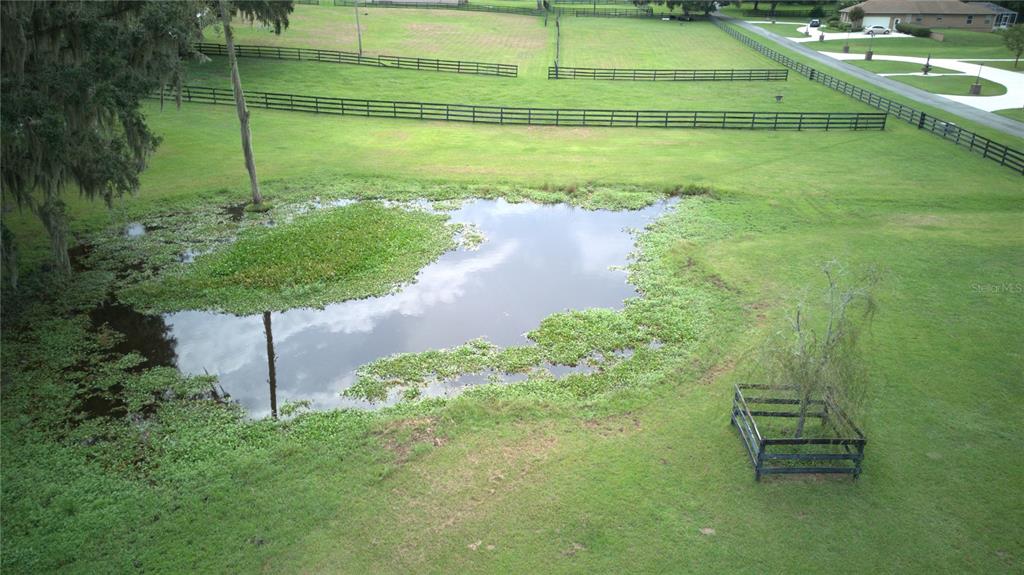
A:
<point x="536" y="260"/>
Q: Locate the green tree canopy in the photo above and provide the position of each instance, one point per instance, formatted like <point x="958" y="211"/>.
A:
<point x="1014" y="39"/>
<point x="72" y="80"/>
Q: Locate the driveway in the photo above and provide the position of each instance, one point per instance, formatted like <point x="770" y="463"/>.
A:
<point x="1014" y="81"/>
<point x="815" y="33"/>
<point x="994" y="121"/>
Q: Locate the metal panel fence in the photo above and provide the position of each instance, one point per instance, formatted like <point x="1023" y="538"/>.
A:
<point x="563" y="73"/>
<point x="988" y="148"/>
<point x="334" y="56"/>
<point x="542" y="116"/>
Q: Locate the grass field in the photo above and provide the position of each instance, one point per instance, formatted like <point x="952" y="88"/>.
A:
<point x="600" y="43"/>
<point x="445" y="34"/>
<point x="1015" y="113"/>
<point x="645" y="475"/>
<point x="959" y="44"/>
<point x="1003" y="65"/>
<point x="315" y="78"/>
<point x="959" y="85"/>
<point x="890" y="66"/>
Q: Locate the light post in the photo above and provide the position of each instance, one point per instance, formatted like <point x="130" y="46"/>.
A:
<point x="871" y="41"/>
<point x="976" y="86"/>
<point x="846" y="48"/>
<point x="927" y="65"/>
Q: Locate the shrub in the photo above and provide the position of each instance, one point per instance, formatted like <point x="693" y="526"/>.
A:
<point x="919" y="31"/>
<point x="821" y="358"/>
<point x="690" y="190"/>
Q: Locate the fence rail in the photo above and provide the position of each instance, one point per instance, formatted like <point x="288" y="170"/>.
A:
<point x="563" y="73"/>
<point x="334" y="56"/>
<point x="542" y="116"/>
<point x="988" y="148"/>
<point x="609" y="13"/>
<point x="842" y="452"/>
<point x="778" y="13"/>
<point x="521" y="10"/>
<point x="443" y="6"/>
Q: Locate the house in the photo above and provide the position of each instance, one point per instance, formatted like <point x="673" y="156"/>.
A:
<point x="1004" y="16"/>
<point x="928" y="13"/>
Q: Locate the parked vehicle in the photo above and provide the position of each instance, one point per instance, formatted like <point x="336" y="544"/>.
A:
<point x="876" y="29"/>
<point x="815" y="23"/>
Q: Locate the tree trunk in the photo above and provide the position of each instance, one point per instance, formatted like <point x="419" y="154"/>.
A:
<point x="271" y="363"/>
<point x="9" y="252"/>
<point x="243" y="112"/>
<point x="56" y="224"/>
<point x="804" y="403"/>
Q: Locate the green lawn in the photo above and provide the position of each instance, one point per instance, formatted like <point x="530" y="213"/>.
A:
<point x="598" y="43"/>
<point x="955" y="85"/>
<point x="1002" y="65"/>
<point x="1015" y="113"/>
<point x="890" y="66"/>
<point x="445" y="34"/>
<point x="636" y="470"/>
<point x="957" y="44"/>
<point x="335" y="80"/>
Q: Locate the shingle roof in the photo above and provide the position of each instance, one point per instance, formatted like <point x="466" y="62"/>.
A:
<point x="996" y="8"/>
<point x="919" y="7"/>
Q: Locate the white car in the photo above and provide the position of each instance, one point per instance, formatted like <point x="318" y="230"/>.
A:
<point x="876" y="29"/>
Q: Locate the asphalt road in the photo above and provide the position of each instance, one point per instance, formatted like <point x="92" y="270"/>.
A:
<point x="994" y="121"/>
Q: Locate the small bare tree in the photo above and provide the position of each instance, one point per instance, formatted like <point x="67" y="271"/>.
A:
<point x="823" y="360"/>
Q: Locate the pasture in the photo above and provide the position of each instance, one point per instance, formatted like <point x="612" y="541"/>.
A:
<point x="631" y="466"/>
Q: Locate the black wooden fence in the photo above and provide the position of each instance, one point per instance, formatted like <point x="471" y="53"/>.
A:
<point x="563" y="73"/>
<point x="443" y="6"/>
<point x="521" y="10"/>
<point x="607" y="13"/>
<point x="334" y="56"/>
<point x="840" y="452"/>
<point x="777" y="13"/>
<point x="988" y="148"/>
<point x="542" y="116"/>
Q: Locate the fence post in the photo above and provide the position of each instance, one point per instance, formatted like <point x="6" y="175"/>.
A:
<point x="760" y="460"/>
<point x="920" y="122"/>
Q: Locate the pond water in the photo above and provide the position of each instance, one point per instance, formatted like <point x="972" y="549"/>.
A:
<point x="536" y="260"/>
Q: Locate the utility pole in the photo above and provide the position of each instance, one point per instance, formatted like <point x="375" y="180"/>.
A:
<point x="359" y="31"/>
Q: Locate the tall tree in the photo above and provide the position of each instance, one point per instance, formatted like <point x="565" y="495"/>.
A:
<point x="1014" y="39"/>
<point x="72" y="77"/>
<point x="267" y="13"/>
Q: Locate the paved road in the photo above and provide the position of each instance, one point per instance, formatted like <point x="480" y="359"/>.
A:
<point x="1003" y="124"/>
<point x="1012" y="81"/>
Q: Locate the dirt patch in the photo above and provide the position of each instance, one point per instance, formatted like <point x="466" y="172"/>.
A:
<point x="425" y="28"/>
<point x="401" y="437"/>
<point x="614" y="425"/>
<point x="759" y="310"/>
<point x="717" y="370"/>
<point x="719" y="283"/>
<point x="574" y="549"/>
<point x="919" y="220"/>
<point x="461" y="494"/>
